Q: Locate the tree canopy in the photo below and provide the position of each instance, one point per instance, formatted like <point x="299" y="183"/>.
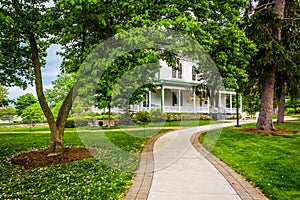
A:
<point x="24" y="101"/>
<point x="28" y="28"/>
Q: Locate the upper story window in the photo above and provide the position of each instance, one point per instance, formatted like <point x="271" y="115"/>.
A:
<point x="177" y="72"/>
<point x="196" y="76"/>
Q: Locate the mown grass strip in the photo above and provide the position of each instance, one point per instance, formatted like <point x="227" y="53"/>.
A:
<point x="271" y="162"/>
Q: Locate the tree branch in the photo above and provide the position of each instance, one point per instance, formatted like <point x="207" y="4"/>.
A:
<point x="260" y="8"/>
<point x="38" y="79"/>
<point x="66" y="106"/>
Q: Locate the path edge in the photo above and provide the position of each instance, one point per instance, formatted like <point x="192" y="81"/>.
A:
<point x="242" y="187"/>
<point x="142" y="181"/>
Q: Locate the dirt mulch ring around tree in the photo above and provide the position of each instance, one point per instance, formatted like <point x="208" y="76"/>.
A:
<point x="274" y="132"/>
<point x="40" y="157"/>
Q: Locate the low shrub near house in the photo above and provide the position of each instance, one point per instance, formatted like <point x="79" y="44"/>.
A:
<point x="173" y="116"/>
<point x="157" y="115"/>
<point x="77" y="122"/>
<point x="105" y="116"/>
<point x="141" y="116"/>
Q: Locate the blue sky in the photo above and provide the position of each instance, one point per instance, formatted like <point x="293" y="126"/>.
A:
<point x="49" y="74"/>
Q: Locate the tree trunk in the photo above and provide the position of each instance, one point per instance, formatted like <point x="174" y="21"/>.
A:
<point x="108" y="117"/>
<point x="265" y="118"/>
<point x="56" y="127"/>
<point x="57" y="141"/>
<point x="281" y="105"/>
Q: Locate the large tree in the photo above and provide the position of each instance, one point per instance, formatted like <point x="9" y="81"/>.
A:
<point x="28" y="28"/>
<point x="24" y="101"/>
<point x="26" y="31"/>
<point x="276" y="35"/>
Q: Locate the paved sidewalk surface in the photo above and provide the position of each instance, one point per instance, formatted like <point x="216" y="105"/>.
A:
<point x="179" y="170"/>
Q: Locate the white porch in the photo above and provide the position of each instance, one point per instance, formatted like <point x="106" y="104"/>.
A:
<point x="184" y="100"/>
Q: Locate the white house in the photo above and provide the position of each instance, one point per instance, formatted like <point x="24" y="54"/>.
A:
<point x="175" y="93"/>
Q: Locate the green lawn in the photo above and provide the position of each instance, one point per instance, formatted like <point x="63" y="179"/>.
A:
<point x="184" y="123"/>
<point x="271" y="162"/>
<point x="85" y="179"/>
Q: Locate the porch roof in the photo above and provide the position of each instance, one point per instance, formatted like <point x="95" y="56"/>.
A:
<point x="176" y="83"/>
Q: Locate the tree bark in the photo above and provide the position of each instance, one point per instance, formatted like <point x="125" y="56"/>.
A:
<point x="56" y="127"/>
<point x="265" y="118"/>
<point x="281" y="105"/>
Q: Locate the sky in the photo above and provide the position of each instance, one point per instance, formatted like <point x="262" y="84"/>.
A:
<point x="49" y="74"/>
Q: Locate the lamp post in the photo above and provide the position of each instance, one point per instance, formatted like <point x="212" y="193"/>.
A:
<point x="237" y="109"/>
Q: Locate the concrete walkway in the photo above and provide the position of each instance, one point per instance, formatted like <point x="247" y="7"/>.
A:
<point x="178" y="170"/>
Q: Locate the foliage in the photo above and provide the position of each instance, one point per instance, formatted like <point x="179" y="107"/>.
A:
<point x="61" y="86"/>
<point x="28" y="28"/>
<point x="8" y="111"/>
<point x="3" y="94"/>
<point x="105" y="116"/>
<point x="24" y="101"/>
<point x="156" y="115"/>
<point x="173" y="116"/>
<point x="70" y="123"/>
<point x="33" y="114"/>
<point x="251" y="97"/>
<point x="142" y="116"/>
<point x="77" y="122"/>
<point x="270" y="162"/>
<point x="292" y="105"/>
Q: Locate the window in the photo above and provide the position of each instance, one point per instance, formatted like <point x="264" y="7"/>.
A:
<point x="177" y="72"/>
<point x="175" y="99"/>
<point x="196" y="76"/>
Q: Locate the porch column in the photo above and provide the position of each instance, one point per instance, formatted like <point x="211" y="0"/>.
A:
<point x="179" y="101"/>
<point x="230" y="103"/>
<point x="194" y="100"/>
<point x="208" y="104"/>
<point x="149" y="100"/>
<point x="220" y="101"/>
<point x="162" y="99"/>
<point x="214" y="102"/>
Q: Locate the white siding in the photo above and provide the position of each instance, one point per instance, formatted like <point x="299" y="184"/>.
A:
<point x="166" y="71"/>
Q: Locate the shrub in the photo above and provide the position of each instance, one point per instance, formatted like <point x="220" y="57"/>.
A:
<point x="173" y="116"/>
<point x="105" y="117"/>
<point x="79" y="122"/>
<point x="141" y="116"/>
<point x="290" y="110"/>
<point x="157" y="115"/>
<point x="125" y="119"/>
<point x="70" y="123"/>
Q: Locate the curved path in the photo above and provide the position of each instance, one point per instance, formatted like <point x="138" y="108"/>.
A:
<point x="172" y="168"/>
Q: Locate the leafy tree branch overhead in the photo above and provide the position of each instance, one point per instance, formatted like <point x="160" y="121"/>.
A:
<point x="28" y="28"/>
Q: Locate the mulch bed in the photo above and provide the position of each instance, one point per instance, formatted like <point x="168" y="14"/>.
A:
<point x="277" y="131"/>
<point x="40" y="157"/>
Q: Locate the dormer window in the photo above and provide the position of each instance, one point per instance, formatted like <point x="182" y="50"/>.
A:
<point x="196" y="76"/>
<point x="177" y="72"/>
